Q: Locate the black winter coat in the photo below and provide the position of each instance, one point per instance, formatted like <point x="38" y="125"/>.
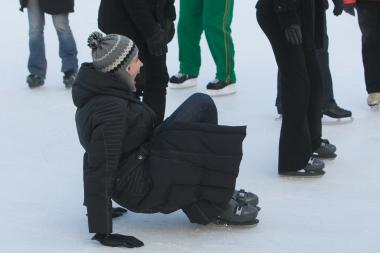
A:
<point x="136" y="19"/>
<point x="307" y="13"/>
<point x="52" y="7"/>
<point x="143" y="168"/>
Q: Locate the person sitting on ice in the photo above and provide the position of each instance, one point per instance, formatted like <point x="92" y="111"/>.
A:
<point x="188" y="162"/>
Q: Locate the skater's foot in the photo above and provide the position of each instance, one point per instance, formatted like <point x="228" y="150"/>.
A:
<point x="336" y="112"/>
<point x="314" y="168"/>
<point x="373" y="99"/>
<point x="220" y="88"/>
<point x="35" y="80"/>
<point x="326" y="150"/>
<point x="181" y="81"/>
<point x="248" y="198"/>
<point x="118" y="211"/>
<point x="69" y="78"/>
<point x="238" y="214"/>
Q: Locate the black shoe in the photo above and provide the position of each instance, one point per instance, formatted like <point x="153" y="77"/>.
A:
<point x="69" y="78"/>
<point x="326" y="150"/>
<point x="220" y="88"/>
<point x="336" y="112"/>
<point x="35" y="80"/>
<point x="181" y="81"/>
<point x="238" y="214"/>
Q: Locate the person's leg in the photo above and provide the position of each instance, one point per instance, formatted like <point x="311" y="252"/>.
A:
<point x="197" y="108"/>
<point x="190" y="28"/>
<point x="37" y="61"/>
<point x="217" y="19"/>
<point x="295" y="140"/>
<point x="278" y="103"/>
<point x="155" y="83"/>
<point x="67" y="47"/>
<point x="369" y="22"/>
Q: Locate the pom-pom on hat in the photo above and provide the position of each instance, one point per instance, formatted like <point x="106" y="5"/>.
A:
<point x="111" y="52"/>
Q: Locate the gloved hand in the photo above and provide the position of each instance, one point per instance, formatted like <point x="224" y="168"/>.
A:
<point x="157" y="43"/>
<point x="117" y="240"/>
<point x="169" y="30"/>
<point x="349" y="8"/>
<point x="293" y="34"/>
<point x="118" y="211"/>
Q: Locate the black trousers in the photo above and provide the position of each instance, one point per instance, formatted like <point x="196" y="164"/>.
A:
<point x="301" y="94"/>
<point x="324" y="65"/>
<point x="152" y="81"/>
<point x="369" y="22"/>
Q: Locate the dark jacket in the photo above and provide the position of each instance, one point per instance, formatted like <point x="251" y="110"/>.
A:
<point x="125" y="155"/>
<point x="52" y="7"/>
<point x="136" y="19"/>
<point x="301" y="12"/>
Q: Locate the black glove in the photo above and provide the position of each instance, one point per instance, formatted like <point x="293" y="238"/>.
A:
<point x="117" y="240"/>
<point x="118" y="211"/>
<point x="293" y="34"/>
<point x="349" y="8"/>
<point x="169" y="30"/>
<point x="157" y="45"/>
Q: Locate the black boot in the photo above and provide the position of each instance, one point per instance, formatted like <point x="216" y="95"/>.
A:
<point x="35" y="80"/>
<point x="69" y="78"/>
<point x="336" y="112"/>
<point x="238" y="214"/>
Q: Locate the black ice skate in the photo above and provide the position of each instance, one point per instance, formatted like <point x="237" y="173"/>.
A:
<point x="220" y="88"/>
<point x="238" y="214"/>
<point x="337" y="113"/>
<point x="69" y="78"/>
<point x="248" y="198"/>
<point x="314" y="168"/>
<point x="181" y="81"/>
<point x="34" y="81"/>
<point x="326" y="150"/>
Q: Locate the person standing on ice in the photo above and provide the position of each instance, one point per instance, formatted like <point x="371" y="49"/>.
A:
<point x="329" y="106"/>
<point x="37" y="65"/>
<point x="140" y="164"/>
<point x="295" y="29"/>
<point x="151" y="25"/>
<point x="369" y="23"/>
<point x="214" y="17"/>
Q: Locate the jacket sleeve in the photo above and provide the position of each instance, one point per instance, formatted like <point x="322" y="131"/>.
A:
<point x="142" y="14"/>
<point x="103" y="154"/>
<point x="286" y="12"/>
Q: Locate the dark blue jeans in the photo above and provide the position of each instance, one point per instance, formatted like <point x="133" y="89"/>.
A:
<point x="67" y="48"/>
<point x="197" y="108"/>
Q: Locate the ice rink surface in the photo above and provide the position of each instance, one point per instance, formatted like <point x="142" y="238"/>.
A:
<point x="41" y="189"/>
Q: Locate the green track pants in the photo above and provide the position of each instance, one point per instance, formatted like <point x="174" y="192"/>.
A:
<point x="214" y="17"/>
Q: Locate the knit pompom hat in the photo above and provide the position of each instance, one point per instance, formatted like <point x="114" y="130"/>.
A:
<point x="111" y="52"/>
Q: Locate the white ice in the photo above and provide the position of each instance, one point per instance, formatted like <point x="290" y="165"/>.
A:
<point x="41" y="160"/>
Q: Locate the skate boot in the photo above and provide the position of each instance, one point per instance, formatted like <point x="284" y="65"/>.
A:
<point x="181" y="81"/>
<point x="35" y="80"/>
<point x="326" y="150"/>
<point x="336" y="112"/>
<point x="69" y="78"/>
<point x="220" y="88"/>
<point x="314" y="168"/>
<point x="248" y="198"/>
<point x="237" y="214"/>
<point x="373" y="99"/>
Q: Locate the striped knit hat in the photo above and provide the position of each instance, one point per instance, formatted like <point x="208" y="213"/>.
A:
<point x="112" y="52"/>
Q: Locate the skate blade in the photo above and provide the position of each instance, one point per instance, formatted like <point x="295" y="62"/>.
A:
<point x="186" y="84"/>
<point x="221" y="222"/>
<point x="228" y="90"/>
<point x="326" y="120"/>
<point x="374" y="107"/>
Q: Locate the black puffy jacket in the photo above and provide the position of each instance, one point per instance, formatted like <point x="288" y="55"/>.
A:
<point x="52" y="7"/>
<point x="136" y="19"/>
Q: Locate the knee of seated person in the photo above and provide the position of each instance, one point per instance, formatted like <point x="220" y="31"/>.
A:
<point x="203" y="100"/>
